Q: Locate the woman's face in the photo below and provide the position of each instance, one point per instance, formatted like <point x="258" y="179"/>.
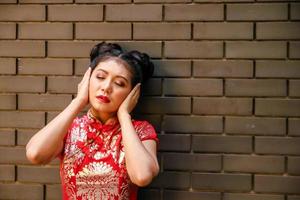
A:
<point x="110" y="83"/>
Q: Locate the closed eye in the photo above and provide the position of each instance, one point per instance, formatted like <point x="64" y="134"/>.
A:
<point x="100" y="77"/>
<point x="121" y="84"/>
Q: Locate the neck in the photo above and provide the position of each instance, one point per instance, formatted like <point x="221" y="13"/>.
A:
<point x="102" y="117"/>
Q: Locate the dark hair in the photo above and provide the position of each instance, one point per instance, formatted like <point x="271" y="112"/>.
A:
<point x="139" y="63"/>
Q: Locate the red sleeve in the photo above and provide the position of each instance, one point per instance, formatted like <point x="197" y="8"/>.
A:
<point x="145" y="131"/>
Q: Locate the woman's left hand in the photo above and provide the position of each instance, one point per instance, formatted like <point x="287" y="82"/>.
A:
<point x="130" y="101"/>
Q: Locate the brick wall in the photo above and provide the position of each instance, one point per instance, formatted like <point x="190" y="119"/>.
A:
<point x="225" y="98"/>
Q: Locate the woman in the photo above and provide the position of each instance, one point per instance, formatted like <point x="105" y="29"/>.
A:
<point x="104" y="154"/>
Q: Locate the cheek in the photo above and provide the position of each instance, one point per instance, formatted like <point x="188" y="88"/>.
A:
<point x="121" y="95"/>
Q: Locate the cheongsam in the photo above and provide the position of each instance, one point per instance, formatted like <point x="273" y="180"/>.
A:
<point x="93" y="159"/>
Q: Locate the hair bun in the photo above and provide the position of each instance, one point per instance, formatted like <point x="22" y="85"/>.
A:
<point x="143" y="60"/>
<point x="104" y="48"/>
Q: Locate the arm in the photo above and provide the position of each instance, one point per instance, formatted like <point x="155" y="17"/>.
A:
<point x="47" y="143"/>
<point x="140" y="157"/>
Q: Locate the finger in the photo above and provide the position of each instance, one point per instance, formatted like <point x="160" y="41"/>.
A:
<point x="87" y="73"/>
<point x="86" y="76"/>
<point x="136" y="88"/>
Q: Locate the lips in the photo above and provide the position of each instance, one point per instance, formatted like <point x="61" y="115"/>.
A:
<point x="103" y="99"/>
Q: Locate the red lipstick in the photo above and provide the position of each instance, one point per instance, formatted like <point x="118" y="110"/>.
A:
<point x="103" y="99"/>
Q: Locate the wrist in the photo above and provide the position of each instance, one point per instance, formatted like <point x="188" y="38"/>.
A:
<point x="79" y="103"/>
<point x="123" y="116"/>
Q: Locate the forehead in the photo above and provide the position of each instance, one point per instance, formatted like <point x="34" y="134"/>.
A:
<point x="114" y="67"/>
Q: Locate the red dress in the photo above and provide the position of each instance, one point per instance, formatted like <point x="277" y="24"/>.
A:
<point x="93" y="162"/>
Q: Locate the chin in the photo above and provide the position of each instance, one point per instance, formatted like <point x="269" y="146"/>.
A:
<point x="102" y="108"/>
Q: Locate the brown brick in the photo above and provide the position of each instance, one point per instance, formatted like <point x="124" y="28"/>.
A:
<point x="190" y="195"/>
<point x="172" y="180"/>
<point x="224" y="144"/>
<point x="103" y="1"/>
<point x="227" y="182"/>
<point x="194" y="162"/>
<point x="237" y="196"/>
<point x="294" y="126"/>
<point x="45" y="66"/>
<point x="162" y="31"/>
<point x="75" y="12"/>
<point x="7" y="101"/>
<point x="103" y="31"/>
<point x="152" y="87"/>
<point x="165" y="105"/>
<point x="22" y="13"/>
<point x="223" y="68"/>
<point x="294" y="50"/>
<point x="294" y="88"/>
<point x="222" y="106"/>
<point x="7" y="66"/>
<point x="8" y="137"/>
<point x="268" y="183"/>
<point x="172" y="68"/>
<point x="45" y="31"/>
<point x="174" y="142"/>
<point x="217" y="1"/>
<point x="255" y="125"/>
<point x="7" y="173"/>
<point x="60" y="84"/>
<point x="295" y="14"/>
<point x="69" y="48"/>
<point x="255" y="87"/>
<point x="257" y="11"/>
<point x="277" y="145"/>
<point x="152" y="48"/>
<point x="202" y="87"/>
<point x="142" y="12"/>
<point x="24" y="135"/>
<point x="22" y="84"/>
<point x="294" y="165"/>
<point x="189" y="124"/>
<point x="160" y="1"/>
<point x="148" y="194"/>
<point x="256" y="49"/>
<point x="193" y="49"/>
<point x="254" y="164"/>
<point x="278" y="30"/>
<point x="278" y="68"/>
<point x="220" y="30"/>
<point x="9" y="119"/>
<point x="46" y="1"/>
<point x="43" y="102"/>
<point x="293" y="197"/>
<point x="8" y="1"/>
<point x="38" y="174"/>
<point x="22" y="48"/>
<point x="194" y="12"/>
<point x="21" y="191"/>
<point x="51" y="115"/>
<point x="53" y="191"/>
<point x="277" y="107"/>
<point x="7" y="31"/>
<point x="81" y="65"/>
<point x="12" y="155"/>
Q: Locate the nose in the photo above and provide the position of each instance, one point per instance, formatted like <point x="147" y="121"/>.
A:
<point x="106" y="86"/>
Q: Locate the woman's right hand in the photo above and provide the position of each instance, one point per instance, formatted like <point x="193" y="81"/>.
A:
<point x="83" y="89"/>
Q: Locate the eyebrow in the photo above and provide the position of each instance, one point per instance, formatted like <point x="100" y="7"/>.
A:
<point x="119" y="76"/>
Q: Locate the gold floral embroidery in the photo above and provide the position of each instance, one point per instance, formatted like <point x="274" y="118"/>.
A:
<point x="97" y="180"/>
